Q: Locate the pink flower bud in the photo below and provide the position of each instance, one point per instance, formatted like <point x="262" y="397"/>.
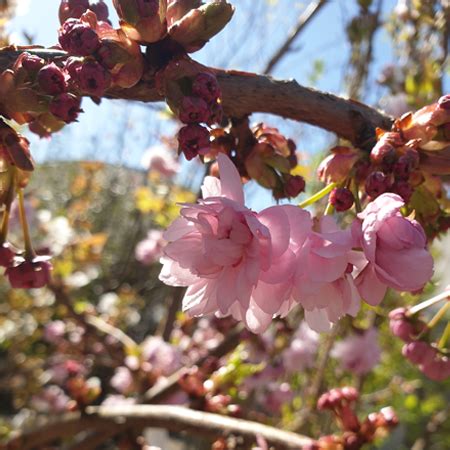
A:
<point x="30" y="274"/>
<point x="100" y="9"/>
<point x="404" y="189"/>
<point x="194" y="140"/>
<point x="205" y="86"/>
<point x="66" y="107"/>
<point x="7" y="254"/>
<point x="342" y="199"/>
<point x="419" y="352"/>
<point x="383" y="153"/>
<point x="438" y="369"/>
<point x="52" y="80"/>
<point x="294" y="185"/>
<point x="93" y="78"/>
<point x="72" y="9"/>
<point x="400" y="326"/>
<point x="444" y="102"/>
<point x="376" y="184"/>
<point x="32" y="63"/>
<point x="336" y="167"/>
<point x="78" y="38"/>
<point x="194" y="110"/>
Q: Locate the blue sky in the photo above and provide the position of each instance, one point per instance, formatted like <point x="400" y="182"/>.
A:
<point x="118" y="132"/>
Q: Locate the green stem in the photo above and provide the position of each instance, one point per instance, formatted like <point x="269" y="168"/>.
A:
<point x="357" y="199"/>
<point x="438" y="316"/>
<point x="329" y="211"/>
<point x="6" y="214"/>
<point x="430" y="302"/>
<point x="29" y="252"/>
<point x="317" y="196"/>
<point x="445" y="337"/>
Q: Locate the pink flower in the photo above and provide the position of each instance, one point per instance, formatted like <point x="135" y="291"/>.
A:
<point x="395" y="248"/>
<point x="52" y="399"/>
<point x="54" y="331"/>
<point x="358" y="353"/>
<point x="335" y="167"/>
<point x="164" y="357"/>
<point x="150" y="249"/>
<point x="122" y="380"/>
<point x="160" y="159"/>
<point x="302" y="351"/>
<point x="222" y="250"/>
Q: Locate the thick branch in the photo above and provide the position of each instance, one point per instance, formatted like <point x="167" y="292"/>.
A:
<point x="246" y="93"/>
<point x="172" y="418"/>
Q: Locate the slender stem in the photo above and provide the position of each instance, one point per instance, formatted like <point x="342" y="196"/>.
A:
<point x="357" y="199"/>
<point x="6" y="214"/>
<point x="329" y="211"/>
<point x="317" y="196"/>
<point x="438" y="316"/>
<point x="445" y="336"/>
<point x="29" y="252"/>
<point x="427" y="303"/>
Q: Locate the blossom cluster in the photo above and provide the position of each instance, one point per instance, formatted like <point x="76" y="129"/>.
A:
<point x="255" y="266"/>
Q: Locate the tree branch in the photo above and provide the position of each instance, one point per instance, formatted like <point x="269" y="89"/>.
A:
<point x="303" y="20"/>
<point x="247" y="93"/>
<point x="172" y="418"/>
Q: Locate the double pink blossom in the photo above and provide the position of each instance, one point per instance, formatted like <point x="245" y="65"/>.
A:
<point x="395" y="249"/>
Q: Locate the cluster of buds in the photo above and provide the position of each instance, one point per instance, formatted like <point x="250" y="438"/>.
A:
<point x="193" y="94"/>
<point x="260" y="153"/>
<point x="188" y="23"/>
<point x="355" y="433"/>
<point x="431" y="360"/>
<point x="203" y="392"/>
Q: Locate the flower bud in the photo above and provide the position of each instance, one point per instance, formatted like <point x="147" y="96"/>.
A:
<point x="93" y="79"/>
<point x="176" y="9"/>
<point x="66" y="107"/>
<point x="342" y="199"/>
<point x="52" y="80"/>
<point x="194" y="110"/>
<point x="206" y="87"/>
<point x="438" y="369"/>
<point x="294" y="185"/>
<point x="193" y="140"/>
<point x="336" y="167"/>
<point x="199" y="25"/>
<point x="419" y="352"/>
<point x="78" y="38"/>
<point x="72" y="9"/>
<point x="400" y="326"/>
<point x="404" y="189"/>
<point x="376" y="184"/>
<point x="383" y="154"/>
<point x="100" y="9"/>
<point x="30" y="274"/>
<point x="444" y="102"/>
<point x="32" y="63"/>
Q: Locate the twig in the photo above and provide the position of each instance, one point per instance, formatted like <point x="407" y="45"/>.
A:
<point x="303" y="20"/>
<point x="172" y="418"/>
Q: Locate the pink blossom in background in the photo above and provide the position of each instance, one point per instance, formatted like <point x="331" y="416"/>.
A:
<point x="122" y="380"/>
<point x="302" y="351"/>
<point x="52" y="399"/>
<point x="160" y="159"/>
<point x="54" y="331"/>
<point x="118" y="400"/>
<point x="395" y="248"/>
<point x="163" y="357"/>
<point x="276" y="396"/>
<point x="150" y="249"/>
<point x="358" y="353"/>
